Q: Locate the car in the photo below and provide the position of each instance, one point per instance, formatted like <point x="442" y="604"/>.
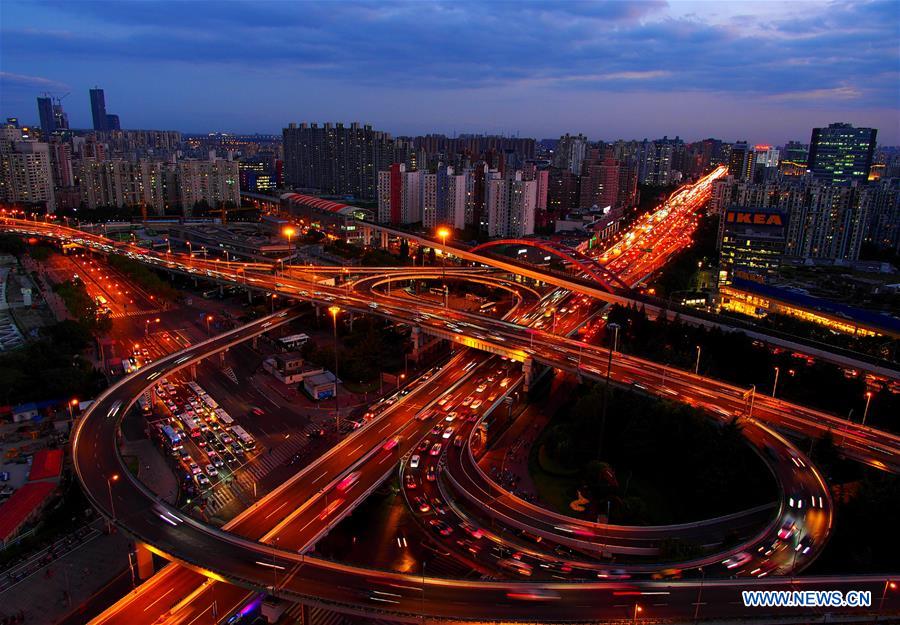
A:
<point x="347" y="483"/>
<point x="194" y="467"/>
<point x="230" y="459"/>
<point x="219" y="447"/>
<point x="438" y="506"/>
<point x="451" y="417"/>
<point x="458" y="440"/>
<point x="435" y="449"/>
<point x="237" y="450"/>
<point x="211" y="470"/>
<point x="436" y="430"/>
<point x="787" y="529"/>
<point x="330" y="508"/>
<point x="804" y="545"/>
<point x="613" y="574"/>
<point x="471" y="530"/>
<point x="409" y="481"/>
<point x="414" y="461"/>
<point x="481" y="388"/>
<point x="476" y="404"/>
<point x="738" y="559"/>
<point x="257" y="411"/>
<point x="443" y="401"/>
<point x="218" y="462"/>
<point x="201" y="443"/>
<point x="430" y="475"/>
<point x="227" y="439"/>
<point x="467" y="400"/>
<point x="202" y="480"/>
<point x="391" y="443"/>
<point x="440" y="527"/>
<point x="423" y="446"/>
<point x="319" y="433"/>
<point x="447" y="433"/>
<point x="421" y="504"/>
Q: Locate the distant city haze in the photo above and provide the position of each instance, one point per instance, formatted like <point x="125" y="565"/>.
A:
<point x="764" y="72"/>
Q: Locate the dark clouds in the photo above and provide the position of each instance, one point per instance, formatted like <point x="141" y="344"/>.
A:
<point x="515" y="54"/>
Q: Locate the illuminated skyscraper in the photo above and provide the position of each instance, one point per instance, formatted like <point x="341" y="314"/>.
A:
<point x="841" y="154"/>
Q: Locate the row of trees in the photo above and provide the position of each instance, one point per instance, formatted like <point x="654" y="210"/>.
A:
<point x="50" y="367"/>
<point x="736" y="358"/>
<point x="363" y="352"/>
<point x="146" y="277"/>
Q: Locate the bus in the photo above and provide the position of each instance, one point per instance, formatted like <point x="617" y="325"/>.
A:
<point x="101" y="301"/>
<point x="294" y="341"/>
<point x="246" y="440"/>
<point x="223" y="416"/>
<point x="144" y="403"/>
<point x="172" y="438"/>
<point x="190" y="425"/>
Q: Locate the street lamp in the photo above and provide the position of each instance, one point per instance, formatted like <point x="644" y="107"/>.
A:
<point x="70" y="404"/>
<point x="637" y="609"/>
<point x="289" y="232"/>
<point x="866" y="411"/>
<point x="208" y="319"/>
<point x="334" y="310"/>
<point x="775" y="384"/>
<point x="443" y="233"/>
<point x="112" y="505"/>
<point x="697" y="364"/>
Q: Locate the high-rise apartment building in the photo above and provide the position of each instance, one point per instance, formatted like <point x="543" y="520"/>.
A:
<point x="741" y="161"/>
<point x="511" y="205"/>
<point x="824" y="220"/>
<point x="654" y="160"/>
<point x="569" y="153"/>
<point x="25" y="173"/>
<point x="98" y="109"/>
<point x="120" y="182"/>
<point x="841" y="154"/>
<point x="334" y="159"/>
<point x="599" y="182"/>
<point x="215" y="182"/>
<point x="880" y="201"/>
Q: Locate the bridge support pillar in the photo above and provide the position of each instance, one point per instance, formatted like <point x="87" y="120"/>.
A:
<point x="416" y="337"/>
<point x="254" y="342"/>
<point x="384" y="239"/>
<point x="367" y="236"/>
<point x="193" y="370"/>
<point x="222" y="290"/>
<point x="222" y="358"/>
<point x="143" y="564"/>
<point x="249" y="296"/>
<point x="528" y="373"/>
<point x="305" y="618"/>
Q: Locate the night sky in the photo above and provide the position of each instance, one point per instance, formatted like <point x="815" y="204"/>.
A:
<point x="762" y="71"/>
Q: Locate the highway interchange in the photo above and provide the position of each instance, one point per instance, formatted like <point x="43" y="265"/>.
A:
<point x="263" y="544"/>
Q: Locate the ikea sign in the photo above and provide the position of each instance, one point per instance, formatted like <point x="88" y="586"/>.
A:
<point x="754" y="218"/>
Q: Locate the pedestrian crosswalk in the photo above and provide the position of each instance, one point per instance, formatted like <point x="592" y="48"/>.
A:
<point x="230" y="374"/>
<point x="242" y="485"/>
<point x="317" y="616"/>
<point x="135" y="313"/>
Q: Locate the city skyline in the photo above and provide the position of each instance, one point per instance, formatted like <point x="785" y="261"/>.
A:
<point x="761" y="72"/>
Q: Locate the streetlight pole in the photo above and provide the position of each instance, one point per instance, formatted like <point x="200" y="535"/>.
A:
<point x="112" y="505"/>
<point x="697" y="363"/>
<point x="775" y="384"/>
<point x="866" y="411"/>
<point x="612" y="348"/>
<point x="637" y="609"/>
<point x="334" y="310"/>
<point x="699" y="595"/>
